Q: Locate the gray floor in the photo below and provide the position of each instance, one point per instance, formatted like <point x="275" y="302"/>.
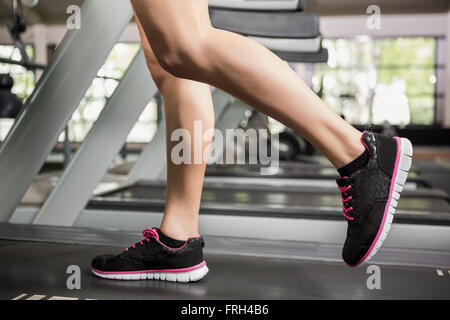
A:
<point x="39" y="268"/>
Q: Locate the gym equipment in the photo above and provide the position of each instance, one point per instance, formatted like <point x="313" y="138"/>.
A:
<point x="261" y="5"/>
<point x="290" y="24"/>
<point x="285" y="201"/>
<point x="16" y="27"/>
<point x="67" y="196"/>
<point x="239" y="270"/>
<point x="55" y="95"/>
<point x="291" y="145"/>
<point x="10" y="104"/>
<point x="30" y="3"/>
<point x="292" y="35"/>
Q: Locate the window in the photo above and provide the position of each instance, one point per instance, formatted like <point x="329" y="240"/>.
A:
<point x="101" y="90"/>
<point x="95" y="98"/>
<point x="369" y="80"/>
<point x="24" y="80"/>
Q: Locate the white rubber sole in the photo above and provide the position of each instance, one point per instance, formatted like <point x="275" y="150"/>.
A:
<point x="188" y="276"/>
<point x="404" y="164"/>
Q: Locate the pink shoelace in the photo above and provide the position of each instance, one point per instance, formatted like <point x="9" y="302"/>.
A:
<point x="343" y="191"/>
<point x="147" y="234"/>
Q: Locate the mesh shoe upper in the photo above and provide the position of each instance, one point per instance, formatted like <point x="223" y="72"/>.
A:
<point x="365" y="194"/>
<point x="151" y="254"/>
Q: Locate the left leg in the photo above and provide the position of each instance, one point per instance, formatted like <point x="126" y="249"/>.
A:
<point x="172" y="252"/>
<point x="185" y="101"/>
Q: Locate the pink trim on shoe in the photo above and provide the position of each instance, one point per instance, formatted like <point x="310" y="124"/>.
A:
<point x="152" y="233"/>
<point x="362" y="141"/>
<point x="198" y="266"/>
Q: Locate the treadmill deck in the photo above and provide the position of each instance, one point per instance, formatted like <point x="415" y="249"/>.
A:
<point x="35" y="268"/>
<point x="35" y="260"/>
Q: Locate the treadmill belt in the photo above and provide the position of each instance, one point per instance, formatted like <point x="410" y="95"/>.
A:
<point x="223" y="200"/>
<point x="230" y="277"/>
<point x="291" y="171"/>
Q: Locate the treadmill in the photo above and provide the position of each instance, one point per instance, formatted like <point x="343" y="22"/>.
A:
<point x="240" y="269"/>
<point x="286" y="196"/>
<point x="295" y="193"/>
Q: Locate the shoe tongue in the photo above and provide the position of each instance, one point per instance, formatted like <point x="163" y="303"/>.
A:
<point x="149" y="233"/>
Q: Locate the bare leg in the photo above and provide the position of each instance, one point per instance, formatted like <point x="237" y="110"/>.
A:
<point x="187" y="46"/>
<point x="185" y="102"/>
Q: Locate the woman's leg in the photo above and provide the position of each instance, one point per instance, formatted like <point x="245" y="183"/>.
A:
<point x="187" y="46"/>
<point x="185" y="102"/>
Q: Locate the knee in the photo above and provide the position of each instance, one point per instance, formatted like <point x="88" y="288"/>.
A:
<point x="167" y="84"/>
<point x="180" y="61"/>
<point x="184" y="58"/>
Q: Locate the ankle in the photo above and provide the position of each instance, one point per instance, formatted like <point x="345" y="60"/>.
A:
<point x="357" y="164"/>
<point x="353" y="154"/>
<point x="178" y="232"/>
<point x="352" y="150"/>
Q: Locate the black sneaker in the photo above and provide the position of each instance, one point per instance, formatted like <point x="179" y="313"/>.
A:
<point x="370" y="195"/>
<point x="151" y="259"/>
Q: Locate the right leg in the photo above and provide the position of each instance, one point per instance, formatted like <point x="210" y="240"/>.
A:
<point x="186" y="45"/>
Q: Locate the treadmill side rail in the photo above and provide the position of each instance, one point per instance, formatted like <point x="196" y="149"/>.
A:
<point x="262" y="5"/>
<point x="57" y="94"/>
<point x="102" y="144"/>
<point x="289" y="24"/>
